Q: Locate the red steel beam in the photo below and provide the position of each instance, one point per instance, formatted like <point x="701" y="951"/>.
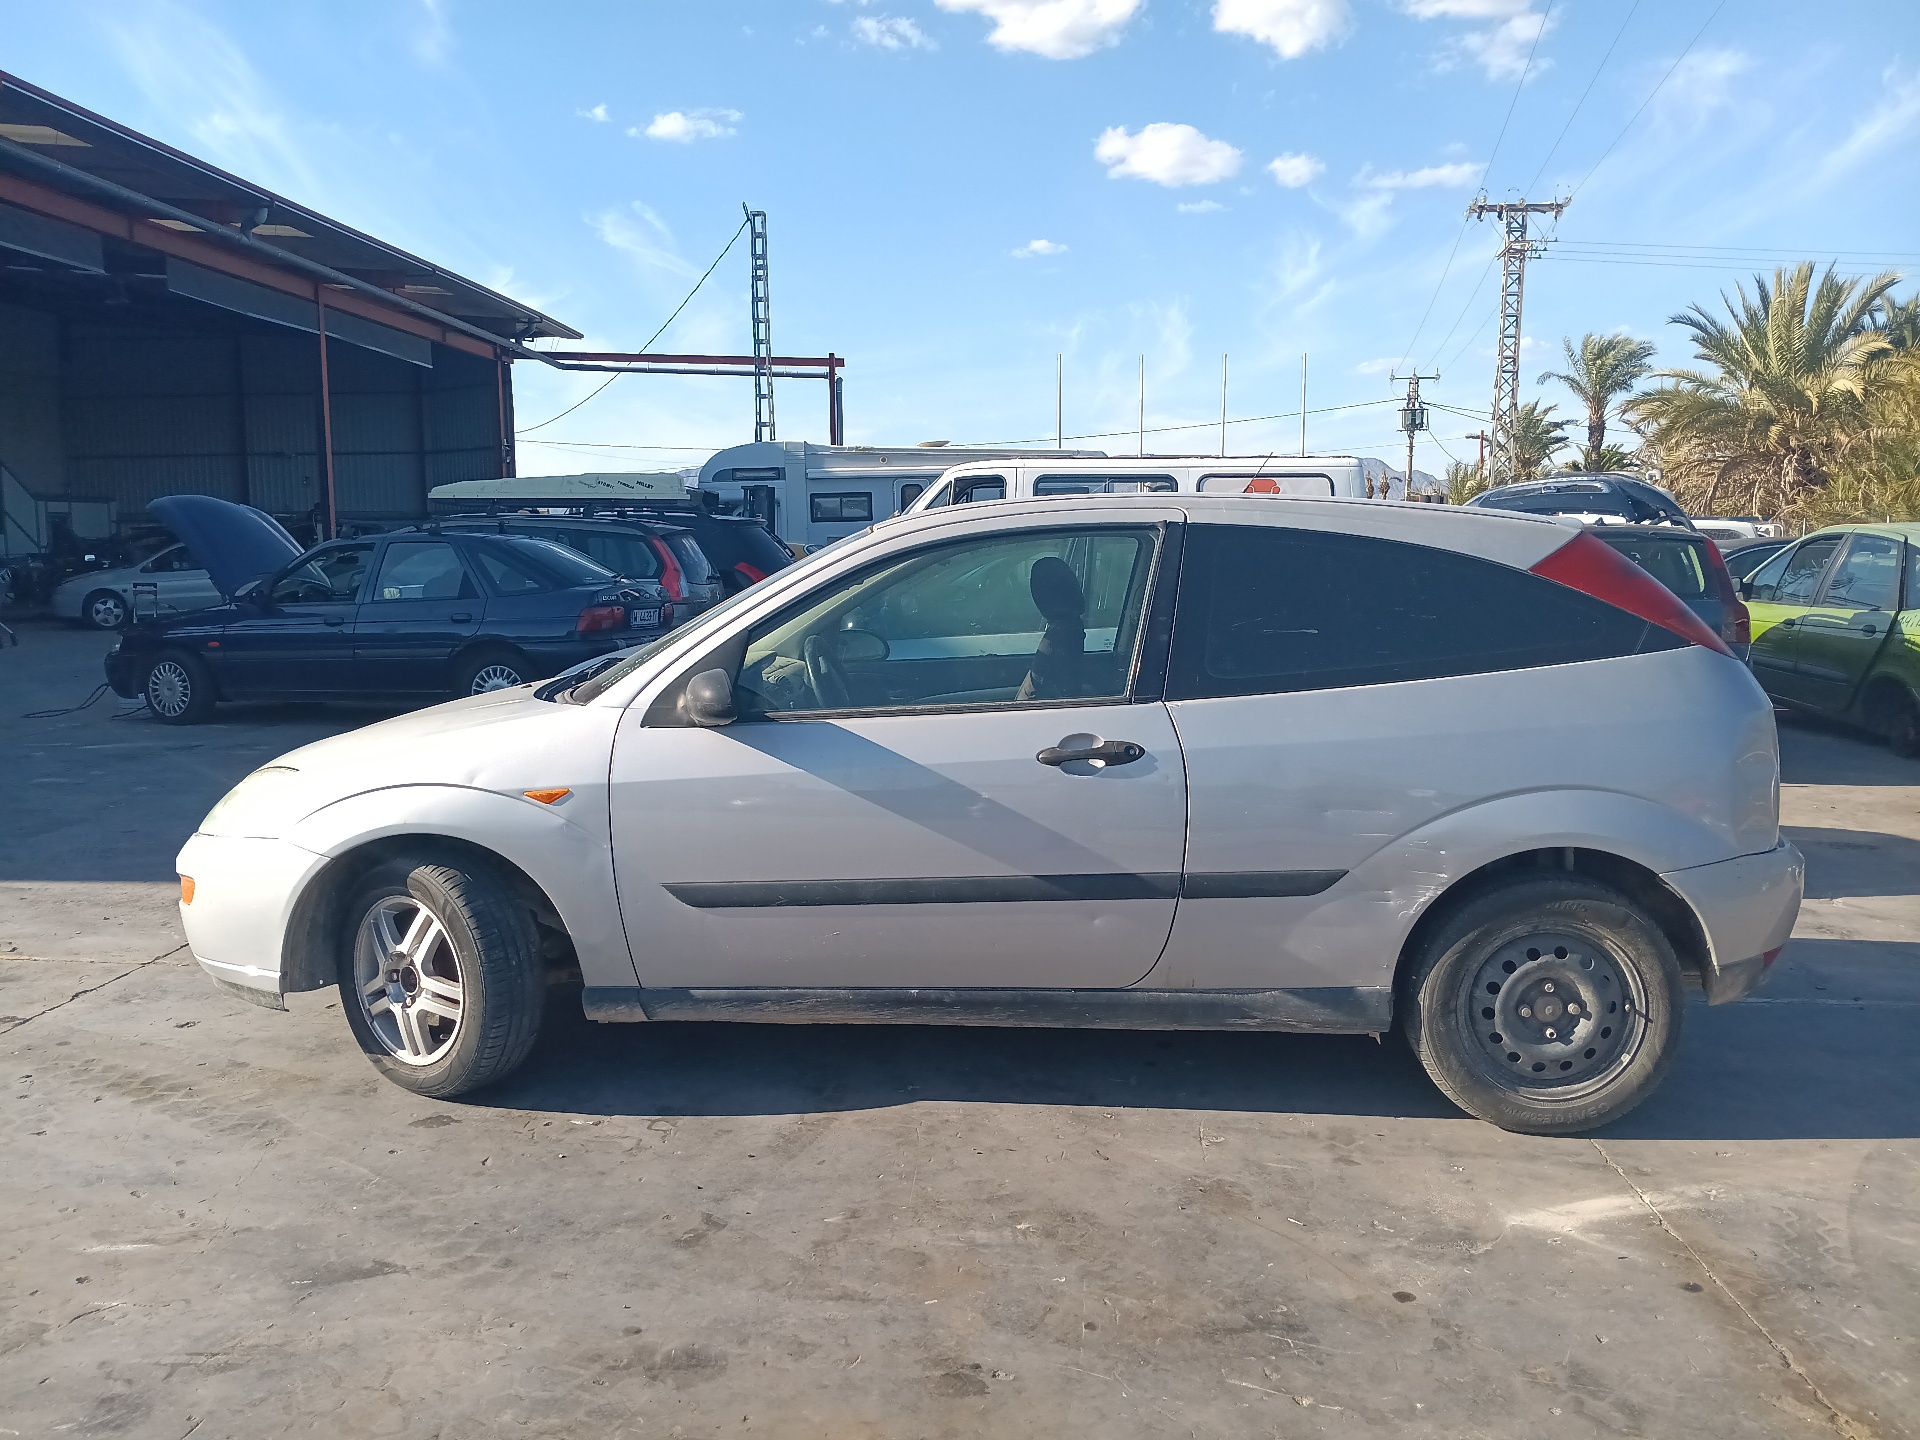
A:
<point x="32" y="196"/>
<point x="616" y="357"/>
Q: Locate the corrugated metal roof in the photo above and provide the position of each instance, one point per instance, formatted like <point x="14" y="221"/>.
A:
<point x="44" y="125"/>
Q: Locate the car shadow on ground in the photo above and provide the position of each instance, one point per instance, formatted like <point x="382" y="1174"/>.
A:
<point x="1744" y="1072"/>
<point x="1843" y="863"/>
<point x="1817" y="751"/>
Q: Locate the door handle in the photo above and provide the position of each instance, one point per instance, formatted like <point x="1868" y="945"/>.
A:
<point x="335" y="619"/>
<point x="1788" y="624"/>
<point x="1107" y="752"/>
<point x="1869" y="629"/>
<point x="461" y="615"/>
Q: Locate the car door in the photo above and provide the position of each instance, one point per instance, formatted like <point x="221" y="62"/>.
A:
<point x="1334" y="693"/>
<point x="423" y="605"/>
<point x="178" y="582"/>
<point x="1780" y="592"/>
<point x="898" y="802"/>
<point x="296" y="638"/>
<point x="1845" y="628"/>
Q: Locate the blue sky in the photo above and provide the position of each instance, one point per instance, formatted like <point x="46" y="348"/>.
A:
<point x="959" y="190"/>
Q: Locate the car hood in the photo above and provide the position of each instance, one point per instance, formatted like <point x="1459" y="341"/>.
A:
<point x="237" y="543"/>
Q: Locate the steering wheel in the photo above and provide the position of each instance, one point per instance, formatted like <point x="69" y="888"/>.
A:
<point x="826" y="674"/>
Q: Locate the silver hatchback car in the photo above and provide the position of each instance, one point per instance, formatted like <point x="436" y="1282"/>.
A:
<point x="1144" y="762"/>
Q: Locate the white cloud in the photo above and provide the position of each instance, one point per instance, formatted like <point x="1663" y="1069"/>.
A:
<point x="639" y="231"/>
<point x="685" y="126"/>
<point x="890" y="32"/>
<point x="1500" y="49"/>
<point x="598" y="112"/>
<point x="1700" y="84"/>
<point x="1293" y="171"/>
<point x="1892" y="118"/>
<point x="1039" y="248"/>
<point x="1199" y="207"/>
<point x="1380" y="367"/>
<point x="1166" y="154"/>
<point x="1291" y="27"/>
<point x="1057" y="29"/>
<point x="1461" y="172"/>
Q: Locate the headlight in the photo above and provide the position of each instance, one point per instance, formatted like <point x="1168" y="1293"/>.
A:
<point x="257" y="807"/>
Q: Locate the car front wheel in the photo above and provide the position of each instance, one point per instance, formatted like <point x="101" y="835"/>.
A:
<point x="440" y="974"/>
<point x="1547" y="1006"/>
<point x="178" y="690"/>
<point x="104" y="610"/>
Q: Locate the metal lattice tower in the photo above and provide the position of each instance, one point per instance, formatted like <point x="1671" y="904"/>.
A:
<point x="762" y="327"/>
<point x="1515" y="251"/>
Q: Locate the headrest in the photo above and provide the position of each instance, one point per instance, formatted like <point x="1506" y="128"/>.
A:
<point x="1056" y="593"/>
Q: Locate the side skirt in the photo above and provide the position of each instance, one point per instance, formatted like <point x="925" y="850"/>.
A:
<point x="1336" y="1010"/>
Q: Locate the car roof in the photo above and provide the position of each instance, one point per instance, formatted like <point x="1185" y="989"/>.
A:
<point x="1900" y="529"/>
<point x="522" y="518"/>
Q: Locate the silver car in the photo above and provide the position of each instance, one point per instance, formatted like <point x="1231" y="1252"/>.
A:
<point x="1136" y="761"/>
<point x="105" y="599"/>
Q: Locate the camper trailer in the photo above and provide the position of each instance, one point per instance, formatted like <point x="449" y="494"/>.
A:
<point x="814" y="494"/>
<point x="1025" y="477"/>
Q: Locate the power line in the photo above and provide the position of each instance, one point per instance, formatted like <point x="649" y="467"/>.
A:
<point x="1554" y="148"/>
<point x="1472" y="295"/>
<point x="1801" y="250"/>
<point x="1650" y="94"/>
<point x="649" y="345"/>
<point x="1446" y="269"/>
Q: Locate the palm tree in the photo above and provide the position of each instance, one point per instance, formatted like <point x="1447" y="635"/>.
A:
<point x="1785" y="397"/>
<point x="1602" y="370"/>
<point x="1463" y="481"/>
<point x="1536" y="438"/>
<point x="1899" y="322"/>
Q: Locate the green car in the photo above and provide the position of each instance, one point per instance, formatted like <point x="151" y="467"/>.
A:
<point x="1836" y="628"/>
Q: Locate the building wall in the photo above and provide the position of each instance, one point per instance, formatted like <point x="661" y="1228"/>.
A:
<point x="237" y="415"/>
<point x="30" y="438"/>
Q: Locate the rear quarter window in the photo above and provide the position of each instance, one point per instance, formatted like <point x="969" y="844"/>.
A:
<point x="1677" y="564"/>
<point x="1266" y="610"/>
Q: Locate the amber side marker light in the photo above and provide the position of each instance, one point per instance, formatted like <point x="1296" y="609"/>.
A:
<point x="186" y="890"/>
<point x="547" y="797"/>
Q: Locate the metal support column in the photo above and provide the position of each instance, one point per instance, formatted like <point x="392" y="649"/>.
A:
<point x="326" y="422"/>
<point x="763" y="427"/>
<point x="1515" y="250"/>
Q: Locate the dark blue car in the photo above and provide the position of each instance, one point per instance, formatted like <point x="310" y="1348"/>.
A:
<point x="412" y="615"/>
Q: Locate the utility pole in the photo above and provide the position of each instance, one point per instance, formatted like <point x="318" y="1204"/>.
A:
<point x="1482" y="437"/>
<point x="1059" y="401"/>
<point x="1143" y="404"/>
<point x="1223" y="406"/>
<point x="1515" y="250"/>
<point x="1413" y="419"/>
<point x="763" y="428"/>
<point x="1303" y="404"/>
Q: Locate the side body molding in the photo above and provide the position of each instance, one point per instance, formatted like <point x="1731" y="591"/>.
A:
<point x="1352" y="933"/>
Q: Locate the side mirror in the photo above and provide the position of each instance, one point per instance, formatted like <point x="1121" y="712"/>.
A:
<point x="860" y="647"/>
<point x="709" y="699"/>
<point x="1745" y="587"/>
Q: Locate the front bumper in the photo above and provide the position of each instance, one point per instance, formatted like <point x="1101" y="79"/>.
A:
<point x="243" y="894"/>
<point x="126" y="673"/>
<point x="1747" y="907"/>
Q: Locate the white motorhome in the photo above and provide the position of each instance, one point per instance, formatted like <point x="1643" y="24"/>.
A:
<point x="814" y="494"/>
<point x="1036" y="477"/>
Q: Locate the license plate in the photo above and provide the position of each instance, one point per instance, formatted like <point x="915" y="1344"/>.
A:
<point x="642" y="619"/>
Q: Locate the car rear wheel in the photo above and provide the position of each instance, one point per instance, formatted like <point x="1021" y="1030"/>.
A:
<point x="440" y="974"/>
<point x="104" y="610"/>
<point x="491" y="670"/>
<point x="178" y="689"/>
<point x="1896" y="715"/>
<point x="1546" y="1007"/>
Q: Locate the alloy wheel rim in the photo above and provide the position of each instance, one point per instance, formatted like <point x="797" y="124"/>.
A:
<point x="169" y="689"/>
<point x="108" y="612"/>
<point x="495" y="677"/>
<point x="1555" y="1013"/>
<point x="407" y="975"/>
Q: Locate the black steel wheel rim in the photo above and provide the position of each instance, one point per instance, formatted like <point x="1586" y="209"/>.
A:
<point x="1553" y="1012"/>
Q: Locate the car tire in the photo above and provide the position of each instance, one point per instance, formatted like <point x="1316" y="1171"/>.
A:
<point x="104" y="610"/>
<point x="178" y="689"/>
<point x="488" y="670"/>
<point x="447" y="940"/>
<point x="1898" y="719"/>
<point x="1547" y="1006"/>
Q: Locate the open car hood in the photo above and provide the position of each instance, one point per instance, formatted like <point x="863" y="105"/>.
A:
<point x="236" y="543"/>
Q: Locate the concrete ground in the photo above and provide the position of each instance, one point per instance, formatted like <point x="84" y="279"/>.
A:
<point x="218" y="1221"/>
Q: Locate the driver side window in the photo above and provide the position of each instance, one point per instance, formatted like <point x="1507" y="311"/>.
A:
<point x="327" y="576"/>
<point x="1031" y="618"/>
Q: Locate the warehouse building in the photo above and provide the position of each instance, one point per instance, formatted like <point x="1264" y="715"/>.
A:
<point x="168" y="328"/>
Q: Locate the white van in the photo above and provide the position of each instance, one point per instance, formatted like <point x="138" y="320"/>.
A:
<point x="1036" y="477"/>
<point x="812" y="495"/>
